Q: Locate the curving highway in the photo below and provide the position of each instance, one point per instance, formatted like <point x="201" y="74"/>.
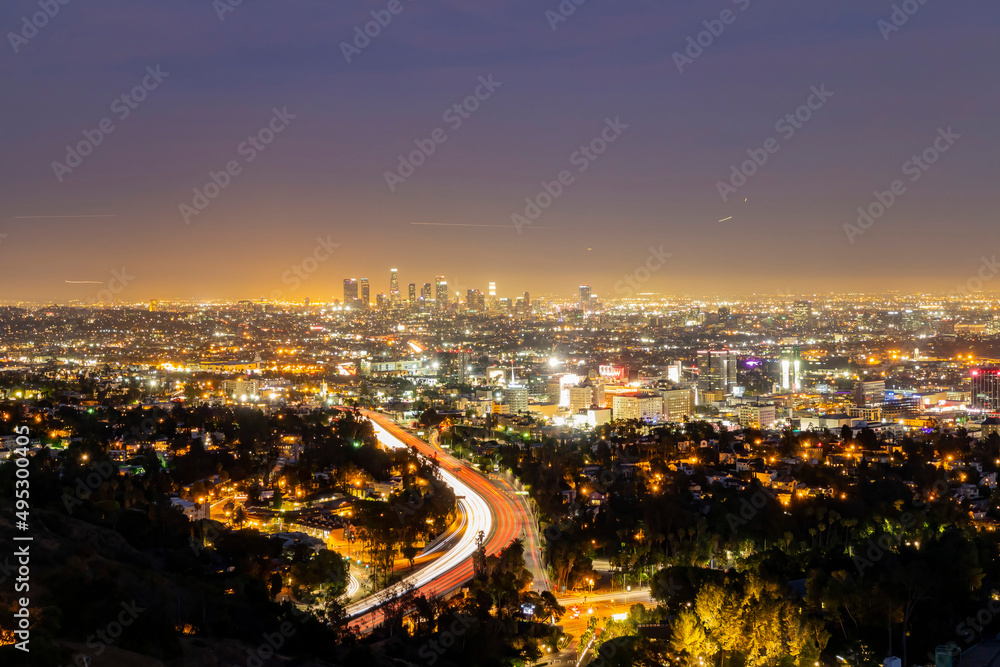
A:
<point x="496" y="514"/>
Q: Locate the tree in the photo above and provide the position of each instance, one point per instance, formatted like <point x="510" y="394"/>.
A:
<point x="410" y="551"/>
<point x="322" y="576"/>
<point x="688" y="636"/>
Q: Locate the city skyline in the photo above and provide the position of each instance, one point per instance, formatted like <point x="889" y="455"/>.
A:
<point x="746" y="158"/>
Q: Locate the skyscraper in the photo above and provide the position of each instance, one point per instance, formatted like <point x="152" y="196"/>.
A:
<point x="413" y="293"/>
<point x="791" y="369"/>
<point x="394" y="295"/>
<point x="716" y="370"/>
<point x="350" y="291"/>
<point x="492" y="302"/>
<point x="801" y="313"/>
<point x="872" y="392"/>
<point x="425" y="294"/>
<point x="585" y="298"/>
<point x="474" y="300"/>
<point x="441" y="293"/>
<point x="366" y="293"/>
<point x="985" y="385"/>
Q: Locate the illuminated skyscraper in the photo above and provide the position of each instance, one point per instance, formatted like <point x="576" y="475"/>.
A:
<point x="350" y="291"/>
<point x="717" y="370"/>
<point x="474" y="300"/>
<point x="413" y="293"/>
<point x="394" y="295"/>
<point x="791" y="369"/>
<point x="801" y="313"/>
<point x="985" y="385"/>
<point x="585" y="298"/>
<point x="426" y="295"/>
<point x="441" y="293"/>
<point x="871" y="392"/>
<point x="492" y="300"/>
<point x="366" y="294"/>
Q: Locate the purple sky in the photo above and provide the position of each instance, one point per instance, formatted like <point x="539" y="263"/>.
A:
<point x="656" y="185"/>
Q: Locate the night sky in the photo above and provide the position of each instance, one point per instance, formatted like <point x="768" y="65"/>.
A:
<point x="323" y="176"/>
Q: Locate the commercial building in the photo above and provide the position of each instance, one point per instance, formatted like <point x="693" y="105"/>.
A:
<point x="985" y="382"/>
<point x="801" y="313"/>
<point x="757" y="416"/>
<point x="677" y="404"/>
<point x="441" y="293"/>
<point x="240" y="388"/>
<point x="394" y="295"/>
<point x="516" y="396"/>
<point x="350" y="291"/>
<point x="791" y="369"/>
<point x="869" y="393"/>
<point x="366" y="293"/>
<point x="638" y="405"/>
<point x="580" y="398"/>
<point x="717" y="370"/>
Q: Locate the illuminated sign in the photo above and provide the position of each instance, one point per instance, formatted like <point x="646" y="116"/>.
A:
<point x="614" y="372"/>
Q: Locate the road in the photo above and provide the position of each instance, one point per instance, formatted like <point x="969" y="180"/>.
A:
<point x="216" y="510"/>
<point x="497" y="515"/>
<point x="532" y="540"/>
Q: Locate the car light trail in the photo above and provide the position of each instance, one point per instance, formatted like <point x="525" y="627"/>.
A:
<point x="486" y="510"/>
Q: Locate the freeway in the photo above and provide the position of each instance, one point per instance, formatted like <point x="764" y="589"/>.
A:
<point x="532" y="540"/>
<point x="497" y="515"/>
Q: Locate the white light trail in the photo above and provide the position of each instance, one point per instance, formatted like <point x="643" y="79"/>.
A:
<point x="479" y="518"/>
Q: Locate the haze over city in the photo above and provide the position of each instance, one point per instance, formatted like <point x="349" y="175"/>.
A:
<point x="687" y="123"/>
